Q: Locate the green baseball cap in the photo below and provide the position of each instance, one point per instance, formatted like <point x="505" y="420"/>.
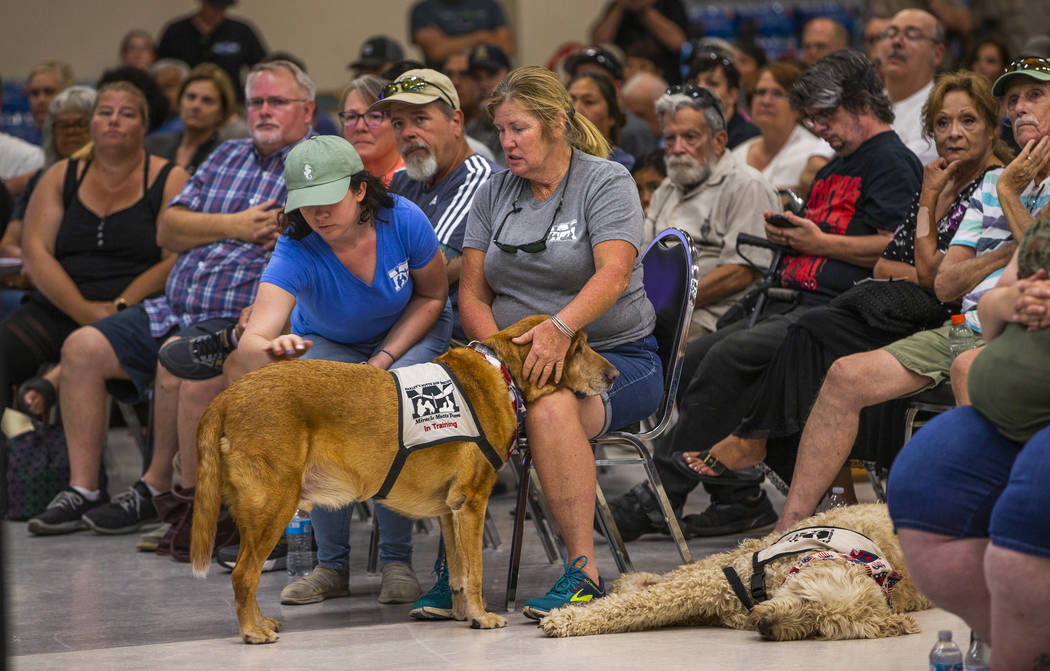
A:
<point x="1030" y="66"/>
<point x="317" y="171"/>
<point x="418" y="87"/>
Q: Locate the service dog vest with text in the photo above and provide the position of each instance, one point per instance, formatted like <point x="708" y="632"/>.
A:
<point x="834" y="541"/>
<point x="432" y="410"/>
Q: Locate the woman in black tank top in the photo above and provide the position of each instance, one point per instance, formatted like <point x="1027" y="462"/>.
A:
<point x="90" y="236"/>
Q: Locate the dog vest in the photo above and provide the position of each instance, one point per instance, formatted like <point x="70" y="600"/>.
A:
<point x="433" y="410"/>
<point x="836" y="542"/>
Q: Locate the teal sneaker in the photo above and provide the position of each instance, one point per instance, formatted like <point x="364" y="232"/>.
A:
<point x="574" y="587"/>
<point x="437" y="603"/>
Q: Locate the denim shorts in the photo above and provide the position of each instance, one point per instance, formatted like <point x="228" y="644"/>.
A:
<point x="637" y="391"/>
<point x="960" y="477"/>
<point x="128" y="334"/>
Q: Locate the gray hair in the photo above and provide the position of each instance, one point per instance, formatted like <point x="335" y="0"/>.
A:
<point x="714" y="116"/>
<point x="74" y="99"/>
<point x="307" y="85"/>
<point x="170" y="64"/>
<point x="844" y="79"/>
<point x="370" y="87"/>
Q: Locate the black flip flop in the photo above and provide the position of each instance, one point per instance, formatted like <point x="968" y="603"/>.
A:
<point x="725" y="475"/>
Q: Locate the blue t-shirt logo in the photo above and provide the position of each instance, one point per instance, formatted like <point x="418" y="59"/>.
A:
<point x="399" y="275"/>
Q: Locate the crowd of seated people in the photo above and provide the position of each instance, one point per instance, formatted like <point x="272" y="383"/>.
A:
<point x="152" y="214"/>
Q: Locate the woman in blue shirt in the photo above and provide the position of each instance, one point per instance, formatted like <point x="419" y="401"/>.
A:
<point x="358" y="274"/>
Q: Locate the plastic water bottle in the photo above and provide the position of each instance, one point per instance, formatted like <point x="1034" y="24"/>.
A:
<point x="960" y="337"/>
<point x="837" y="498"/>
<point x="300" y="544"/>
<point x="946" y="656"/>
<point x="977" y="657"/>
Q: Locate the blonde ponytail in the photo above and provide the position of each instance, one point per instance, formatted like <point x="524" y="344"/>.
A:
<point x="541" y="94"/>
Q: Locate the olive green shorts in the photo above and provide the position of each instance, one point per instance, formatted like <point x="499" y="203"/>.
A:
<point x="926" y="353"/>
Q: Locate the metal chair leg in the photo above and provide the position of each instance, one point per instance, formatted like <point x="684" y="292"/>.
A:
<point x="490" y="537"/>
<point x="522" y="471"/>
<point x="373" y="547"/>
<point x="612" y="533"/>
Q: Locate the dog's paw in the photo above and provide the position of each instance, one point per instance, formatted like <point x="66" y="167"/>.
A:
<point x="488" y="621"/>
<point x="271" y="623"/>
<point x="259" y="635"/>
<point x="634" y="582"/>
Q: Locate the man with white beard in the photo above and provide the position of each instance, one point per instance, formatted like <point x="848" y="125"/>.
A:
<point x="442" y="173"/>
<point x="712" y="196"/>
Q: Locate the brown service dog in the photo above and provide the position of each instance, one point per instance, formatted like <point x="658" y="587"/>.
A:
<point x="327" y="432"/>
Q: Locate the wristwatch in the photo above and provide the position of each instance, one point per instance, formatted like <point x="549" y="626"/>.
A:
<point x="120" y="303"/>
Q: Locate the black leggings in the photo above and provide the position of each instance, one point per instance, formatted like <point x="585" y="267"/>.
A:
<point x="30" y="336"/>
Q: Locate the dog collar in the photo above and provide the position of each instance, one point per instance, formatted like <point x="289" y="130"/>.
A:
<point x="878" y="568"/>
<point x="516" y="400"/>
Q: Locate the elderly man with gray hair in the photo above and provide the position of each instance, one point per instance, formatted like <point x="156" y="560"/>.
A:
<point x="710" y="194"/>
<point x="856" y="202"/>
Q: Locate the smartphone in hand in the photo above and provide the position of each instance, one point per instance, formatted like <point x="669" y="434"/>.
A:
<point x="779" y="220"/>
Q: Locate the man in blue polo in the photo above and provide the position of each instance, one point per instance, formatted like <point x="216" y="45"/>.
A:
<point x="442" y="173"/>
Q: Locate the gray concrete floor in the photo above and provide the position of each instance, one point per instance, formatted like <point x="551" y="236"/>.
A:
<point x="92" y="602"/>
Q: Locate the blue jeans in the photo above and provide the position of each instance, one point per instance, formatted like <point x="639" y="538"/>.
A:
<point x="332" y="527"/>
<point x="960" y="477"/>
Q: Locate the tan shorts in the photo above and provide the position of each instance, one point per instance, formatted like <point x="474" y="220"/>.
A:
<point x="926" y="353"/>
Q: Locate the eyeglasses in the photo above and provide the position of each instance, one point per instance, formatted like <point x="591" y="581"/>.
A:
<point x="529" y="247"/>
<point x="70" y="126"/>
<point x="911" y="33"/>
<point x="349" y="119"/>
<point x="1030" y="63"/>
<point x="821" y="119"/>
<point x="276" y="102"/>
<point x="412" y="85"/>
<point x="700" y="94"/>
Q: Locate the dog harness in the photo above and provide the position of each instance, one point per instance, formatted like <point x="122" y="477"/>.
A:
<point x="833" y="541"/>
<point x="434" y="410"/>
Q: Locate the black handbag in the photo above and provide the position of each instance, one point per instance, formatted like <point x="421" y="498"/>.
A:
<point x="893" y="306"/>
<point x="37" y="470"/>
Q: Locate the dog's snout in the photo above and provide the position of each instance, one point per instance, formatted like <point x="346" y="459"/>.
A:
<point x="765" y="628"/>
<point x="611" y="374"/>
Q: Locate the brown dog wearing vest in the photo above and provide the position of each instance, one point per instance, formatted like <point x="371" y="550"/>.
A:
<point x="830" y="598"/>
<point x="326" y="433"/>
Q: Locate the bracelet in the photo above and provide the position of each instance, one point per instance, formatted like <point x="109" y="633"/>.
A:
<point x="563" y="327"/>
<point x="392" y="358"/>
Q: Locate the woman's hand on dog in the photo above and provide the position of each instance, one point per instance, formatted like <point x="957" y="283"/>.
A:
<point x="546" y="357"/>
<point x="287" y="346"/>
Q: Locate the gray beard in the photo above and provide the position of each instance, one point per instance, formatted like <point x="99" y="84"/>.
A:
<point x="421" y="169"/>
<point x="687" y="172"/>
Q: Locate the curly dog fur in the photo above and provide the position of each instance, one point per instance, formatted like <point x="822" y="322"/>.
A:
<point x="826" y="599"/>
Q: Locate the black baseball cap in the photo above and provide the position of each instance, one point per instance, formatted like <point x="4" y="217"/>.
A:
<point x="378" y="50"/>
<point x="597" y="55"/>
<point x="487" y="57"/>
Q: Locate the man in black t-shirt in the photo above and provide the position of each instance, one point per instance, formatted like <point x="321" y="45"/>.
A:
<point x="856" y="202"/>
<point x="210" y="37"/>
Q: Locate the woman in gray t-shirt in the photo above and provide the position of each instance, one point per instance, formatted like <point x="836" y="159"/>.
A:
<point x="559" y="233"/>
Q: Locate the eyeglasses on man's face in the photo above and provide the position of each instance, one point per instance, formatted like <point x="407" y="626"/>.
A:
<point x="816" y="121"/>
<point x="275" y="102"/>
<point x="372" y="119"/>
<point x="911" y="33"/>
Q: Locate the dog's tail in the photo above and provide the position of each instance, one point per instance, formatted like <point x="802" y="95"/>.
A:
<point x="208" y="497"/>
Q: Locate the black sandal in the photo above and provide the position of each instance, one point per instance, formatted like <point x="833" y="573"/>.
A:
<point x="723" y="474"/>
<point x="42" y="386"/>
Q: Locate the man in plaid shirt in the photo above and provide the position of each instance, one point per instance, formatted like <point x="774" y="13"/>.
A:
<point x="223" y="226"/>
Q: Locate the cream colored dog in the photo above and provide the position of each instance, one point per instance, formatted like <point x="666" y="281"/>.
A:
<point x="832" y="599"/>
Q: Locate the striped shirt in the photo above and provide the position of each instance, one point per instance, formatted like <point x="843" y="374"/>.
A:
<point x="984" y="229"/>
<point x="447" y="202"/>
<point x="219" y="279"/>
